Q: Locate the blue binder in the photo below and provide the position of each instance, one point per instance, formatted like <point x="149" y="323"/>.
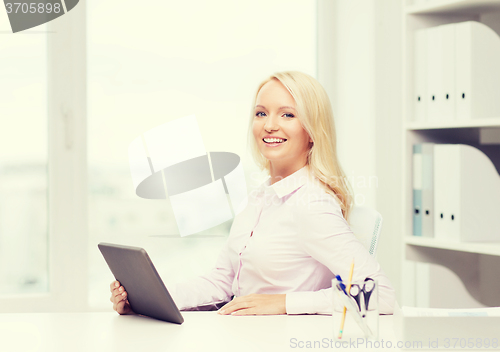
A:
<point x="423" y="189"/>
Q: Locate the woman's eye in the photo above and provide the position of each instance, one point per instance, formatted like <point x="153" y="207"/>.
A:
<point x="258" y="114"/>
<point x="289" y="115"/>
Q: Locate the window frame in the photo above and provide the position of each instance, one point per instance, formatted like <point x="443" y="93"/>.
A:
<point x="67" y="171"/>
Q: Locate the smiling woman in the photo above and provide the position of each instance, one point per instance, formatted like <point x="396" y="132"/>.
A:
<point x="277" y="130"/>
<point x="293" y="237"/>
<point x="307" y="115"/>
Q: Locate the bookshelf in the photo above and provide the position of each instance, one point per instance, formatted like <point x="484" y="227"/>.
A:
<point x="479" y="248"/>
<point x="473" y="263"/>
<point x="476" y="123"/>
<point x="452" y="7"/>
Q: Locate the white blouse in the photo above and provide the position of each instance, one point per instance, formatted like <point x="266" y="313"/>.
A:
<point x="291" y="238"/>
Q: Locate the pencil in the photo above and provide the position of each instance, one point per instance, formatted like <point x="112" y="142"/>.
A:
<point x="345" y="308"/>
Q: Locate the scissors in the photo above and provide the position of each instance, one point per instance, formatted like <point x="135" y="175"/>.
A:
<point x="367" y="290"/>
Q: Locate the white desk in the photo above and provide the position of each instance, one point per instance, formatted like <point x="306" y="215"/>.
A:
<point x="201" y="331"/>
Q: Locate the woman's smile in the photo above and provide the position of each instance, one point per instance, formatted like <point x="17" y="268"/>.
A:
<point x="272" y="141"/>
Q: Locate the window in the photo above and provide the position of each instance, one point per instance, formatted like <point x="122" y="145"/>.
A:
<point x="23" y="161"/>
<point x="43" y="166"/>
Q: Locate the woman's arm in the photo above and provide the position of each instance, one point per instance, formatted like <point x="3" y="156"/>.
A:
<point x="326" y="236"/>
<point x="209" y="289"/>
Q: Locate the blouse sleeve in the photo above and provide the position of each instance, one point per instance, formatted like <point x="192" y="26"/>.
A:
<point x="206" y="291"/>
<point x="326" y="236"/>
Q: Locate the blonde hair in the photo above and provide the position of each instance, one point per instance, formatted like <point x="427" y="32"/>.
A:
<point x="316" y="117"/>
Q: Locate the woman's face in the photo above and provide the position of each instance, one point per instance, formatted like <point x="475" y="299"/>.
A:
<point x="277" y="129"/>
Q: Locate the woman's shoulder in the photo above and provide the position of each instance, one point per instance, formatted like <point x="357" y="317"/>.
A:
<point x="314" y="196"/>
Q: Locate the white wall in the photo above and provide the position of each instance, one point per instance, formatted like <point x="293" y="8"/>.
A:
<point x="346" y="69"/>
<point x="359" y="63"/>
<point x="388" y="132"/>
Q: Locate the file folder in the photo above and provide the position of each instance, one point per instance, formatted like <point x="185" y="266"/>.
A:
<point x="420" y="97"/>
<point x="423" y="190"/>
<point x="477" y="71"/>
<point x="456" y="72"/>
<point x="434" y="74"/>
<point x="428" y="189"/>
<point x="417" y="190"/>
<point x="447" y="95"/>
<point x="466" y="195"/>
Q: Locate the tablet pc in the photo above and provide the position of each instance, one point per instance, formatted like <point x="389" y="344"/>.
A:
<point x="146" y="292"/>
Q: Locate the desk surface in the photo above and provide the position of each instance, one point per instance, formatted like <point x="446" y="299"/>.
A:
<point x="201" y="331"/>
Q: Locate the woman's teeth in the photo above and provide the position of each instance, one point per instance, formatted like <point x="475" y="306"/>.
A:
<point x="274" y="140"/>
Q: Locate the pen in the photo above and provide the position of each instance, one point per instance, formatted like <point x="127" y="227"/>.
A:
<point x="342" y="286"/>
<point x="341" y="331"/>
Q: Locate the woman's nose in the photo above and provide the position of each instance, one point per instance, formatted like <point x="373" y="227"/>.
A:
<point x="271" y="124"/>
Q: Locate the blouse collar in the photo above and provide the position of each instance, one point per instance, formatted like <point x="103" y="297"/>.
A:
<point x="288" y="184"/>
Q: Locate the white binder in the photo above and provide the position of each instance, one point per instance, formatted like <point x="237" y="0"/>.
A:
<point x="447" y="95"/>
<point x="445" y="171"/>
<point x="434" y="74"/>
<point x="427" y="189"/>
<point x="417" y="189"/>
<point x="477" y="71"/>
<point x="466" y="195"/>
<point x="420" y="97"/>
<point x="423" y="190"/>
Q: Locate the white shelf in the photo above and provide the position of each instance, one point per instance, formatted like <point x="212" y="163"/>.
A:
<point x="490" y="248"/>
<point x="429" y="125"/>
<point x="458" y="257"/>
<point x="454" y="7"/>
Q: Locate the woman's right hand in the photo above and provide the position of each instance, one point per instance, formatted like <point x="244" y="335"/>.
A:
<point x="119" y="298"/>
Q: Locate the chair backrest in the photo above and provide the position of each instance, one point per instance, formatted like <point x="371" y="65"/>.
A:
<point x="366" y="223"/>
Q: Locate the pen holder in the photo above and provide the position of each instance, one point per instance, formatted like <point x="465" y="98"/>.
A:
<point x="362" y="315"/>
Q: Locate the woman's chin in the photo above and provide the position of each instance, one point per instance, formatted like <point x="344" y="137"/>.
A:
<point x="271" y="155"/>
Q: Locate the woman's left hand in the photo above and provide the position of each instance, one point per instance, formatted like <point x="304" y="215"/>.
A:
<point x="256" y="304"/>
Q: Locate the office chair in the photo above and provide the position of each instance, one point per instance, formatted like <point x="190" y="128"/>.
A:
<point x="366" y="223"/>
